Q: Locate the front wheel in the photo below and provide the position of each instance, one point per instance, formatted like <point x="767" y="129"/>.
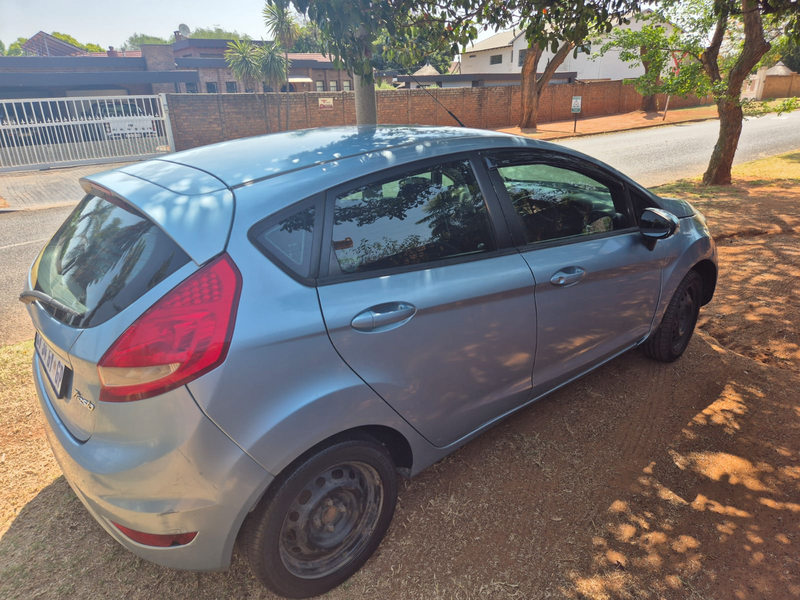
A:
<point x="672" y="337"/>
<point x="320" y="522"/>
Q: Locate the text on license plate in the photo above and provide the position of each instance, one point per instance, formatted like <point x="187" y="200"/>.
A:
<point x="51" y="363"/>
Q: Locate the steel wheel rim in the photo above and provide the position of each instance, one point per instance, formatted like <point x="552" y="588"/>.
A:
<point x="684" y="322"/>
<point x="331" y="520"/>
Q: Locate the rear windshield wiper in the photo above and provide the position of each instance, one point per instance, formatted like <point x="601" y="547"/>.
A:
<point x="29" y="296"/>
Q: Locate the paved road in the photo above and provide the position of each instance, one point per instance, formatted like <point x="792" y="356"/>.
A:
<point x="651" y="156"/>
<point x="662" y="154"/>
<point x="22" y="236"/>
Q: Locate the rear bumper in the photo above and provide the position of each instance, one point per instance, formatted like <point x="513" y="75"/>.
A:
<point x="186" y="476"/>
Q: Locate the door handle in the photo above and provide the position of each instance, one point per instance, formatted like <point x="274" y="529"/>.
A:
<point x="383" y="317"/>
<point x="567" y="276"/>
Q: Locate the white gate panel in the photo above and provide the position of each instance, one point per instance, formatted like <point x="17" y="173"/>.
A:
<point x="59" y="132"/>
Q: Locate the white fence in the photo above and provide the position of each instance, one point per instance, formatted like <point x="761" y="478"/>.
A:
<point x="57" y="132"/>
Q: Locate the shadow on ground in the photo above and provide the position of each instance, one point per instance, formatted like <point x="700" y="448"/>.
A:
<point x="632" y="482"/>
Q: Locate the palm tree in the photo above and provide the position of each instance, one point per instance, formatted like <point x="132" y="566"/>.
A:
<point x="244" y="62"/>
<point x="283" y="27"/>
<point x="274" y="69"/>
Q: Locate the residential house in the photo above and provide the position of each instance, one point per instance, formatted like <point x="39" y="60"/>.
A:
<point x="504" y="53"/>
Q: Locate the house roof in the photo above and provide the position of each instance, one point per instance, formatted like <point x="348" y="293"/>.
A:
<point x="504" y="39"/>
<point x="44" y="44"/>
<point x="427" y="70"/>
<point x="780" y="69"/>
<point x="122" y="53"/>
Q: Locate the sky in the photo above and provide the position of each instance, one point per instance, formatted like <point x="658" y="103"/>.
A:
<point x="111" y="23"/>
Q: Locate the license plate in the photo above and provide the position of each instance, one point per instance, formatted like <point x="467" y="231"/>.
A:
<point x="53" y="367"/>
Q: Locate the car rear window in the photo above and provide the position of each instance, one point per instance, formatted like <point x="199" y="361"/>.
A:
<point x="102" y="259"/>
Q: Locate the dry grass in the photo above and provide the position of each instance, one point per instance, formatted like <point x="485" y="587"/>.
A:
<point x="641" y="480"/>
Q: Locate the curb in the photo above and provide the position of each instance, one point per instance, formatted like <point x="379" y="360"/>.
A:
<point x="13" y="209"/>
<point x="648" y="126"/>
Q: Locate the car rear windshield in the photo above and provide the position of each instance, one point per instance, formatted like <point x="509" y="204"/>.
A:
<point x="102" y="259"/>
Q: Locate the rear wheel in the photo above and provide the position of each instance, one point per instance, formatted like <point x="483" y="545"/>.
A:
<point x="672" y="337"/>
<point x="321" y="522"/>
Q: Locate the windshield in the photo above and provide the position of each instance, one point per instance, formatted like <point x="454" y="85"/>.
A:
<point x="102" y="259"/>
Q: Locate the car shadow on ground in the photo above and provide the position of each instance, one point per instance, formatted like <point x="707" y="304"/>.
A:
<point x="636" y="477"/>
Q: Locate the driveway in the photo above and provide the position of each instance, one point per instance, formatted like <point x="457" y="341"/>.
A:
<point x="43" y="189"/>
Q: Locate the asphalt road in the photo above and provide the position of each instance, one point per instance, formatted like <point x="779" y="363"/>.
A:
<point x="660" y="155"/>
<point x="22" y="236"/>
<point x="651" y="156"/>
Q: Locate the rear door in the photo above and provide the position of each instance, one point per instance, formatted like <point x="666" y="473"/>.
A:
<point x="597" y="283"/>
<point x="425" y="297"/>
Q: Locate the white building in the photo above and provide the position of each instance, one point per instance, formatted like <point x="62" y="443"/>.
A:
<point x="504" y="52"/>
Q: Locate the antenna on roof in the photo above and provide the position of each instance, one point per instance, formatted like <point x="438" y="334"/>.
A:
<point x="415" y="80"/>
<point x="184" y="30"/>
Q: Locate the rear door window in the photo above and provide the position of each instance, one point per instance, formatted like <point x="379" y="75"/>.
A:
<point x="422" y="216"/>
<point x="102" y="259"/>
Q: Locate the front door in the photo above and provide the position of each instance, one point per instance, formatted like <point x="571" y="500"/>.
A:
<point x="426" y="301"/>
<point x="597" y="283"/>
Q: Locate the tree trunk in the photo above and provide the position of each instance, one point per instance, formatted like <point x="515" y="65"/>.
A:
<point x="728" y="104"/>
<point x="649" y="102"/>
<point x="532" y="88"/>
<point x="366" y="103"/>
<point x="278" y="98"/>
<point x="730" y="128"/>
<point x="288" y="104"/>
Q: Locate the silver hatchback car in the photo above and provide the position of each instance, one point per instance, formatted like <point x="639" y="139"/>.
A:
<point x="248" y="341"/>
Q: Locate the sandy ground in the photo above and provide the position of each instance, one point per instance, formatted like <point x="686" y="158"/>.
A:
<point x="641" y="480"/>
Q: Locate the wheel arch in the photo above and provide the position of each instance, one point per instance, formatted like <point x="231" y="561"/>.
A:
<point x="708" y="272"/>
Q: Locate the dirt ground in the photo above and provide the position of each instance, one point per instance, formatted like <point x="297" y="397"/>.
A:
<point x="641" y="480"/>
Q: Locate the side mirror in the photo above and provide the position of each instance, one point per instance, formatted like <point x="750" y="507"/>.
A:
<point x="657" y="224"/>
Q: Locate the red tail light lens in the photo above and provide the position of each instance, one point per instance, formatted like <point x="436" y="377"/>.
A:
<point x="156" y="539"/>
<point x="181" y="337"/>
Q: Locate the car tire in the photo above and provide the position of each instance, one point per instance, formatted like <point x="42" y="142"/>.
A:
<point x="319" y="522"/>
<point x="672" y="337"/>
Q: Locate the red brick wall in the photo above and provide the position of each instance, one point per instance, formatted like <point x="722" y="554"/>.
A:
<point x="199" y="119"/>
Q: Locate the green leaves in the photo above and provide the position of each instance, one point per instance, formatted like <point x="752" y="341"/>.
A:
<point x="252" y="64"/>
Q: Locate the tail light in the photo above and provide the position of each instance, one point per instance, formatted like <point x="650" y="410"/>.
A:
<point x="181" y="337"/>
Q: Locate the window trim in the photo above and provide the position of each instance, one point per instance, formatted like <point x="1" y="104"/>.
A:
<point x="497" y="220"/>
<point x="558" y="160"/>
<point x="316" y="201"/>
<point x="492" y="57"/>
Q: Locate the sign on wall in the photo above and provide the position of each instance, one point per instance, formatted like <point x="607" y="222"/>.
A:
<point x="576" y="104"/>
<point x="326" y="103"/>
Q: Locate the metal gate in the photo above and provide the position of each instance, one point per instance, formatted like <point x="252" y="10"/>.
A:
<point x="58" y="132"/>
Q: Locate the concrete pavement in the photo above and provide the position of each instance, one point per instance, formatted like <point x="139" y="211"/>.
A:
<point x="614" y="123"/>
<point x="50" y="188"/>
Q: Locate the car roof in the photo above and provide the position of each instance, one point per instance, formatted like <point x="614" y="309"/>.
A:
<point x="244" y="161"/>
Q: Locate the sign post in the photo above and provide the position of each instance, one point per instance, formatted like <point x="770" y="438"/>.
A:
<point x="576" y="109"/>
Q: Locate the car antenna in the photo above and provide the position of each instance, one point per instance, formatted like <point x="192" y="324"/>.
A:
<point x="415" y="80"/>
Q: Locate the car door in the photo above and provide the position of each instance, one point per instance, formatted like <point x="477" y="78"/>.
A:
<point x="597" y="283"/>
<point x="425" y="297"/>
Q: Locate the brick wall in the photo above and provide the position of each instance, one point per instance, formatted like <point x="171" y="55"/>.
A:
<point x="199" y="119"/>
<point x="781" y="86"/>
